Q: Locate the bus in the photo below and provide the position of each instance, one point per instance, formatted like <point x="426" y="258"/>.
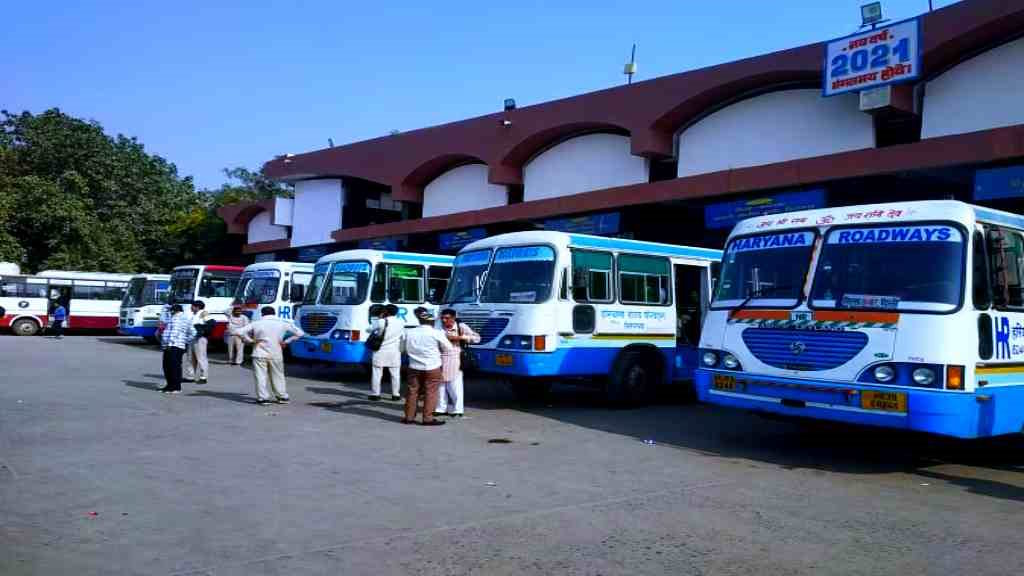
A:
<point x="348" y="289"/>
<point x="92" y="300"/>
<point x="551" y="305"/>
<point x="142" y="305"/>
<point x="278" y="284"/>
<point x="214" y="285"/>
<point x="903" y="315"/>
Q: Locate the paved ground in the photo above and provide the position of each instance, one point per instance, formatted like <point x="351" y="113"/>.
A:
<point x="99" y="474"/>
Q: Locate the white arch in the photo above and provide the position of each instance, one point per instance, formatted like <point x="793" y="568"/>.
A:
<point x="774" y="127"/>
<point x="462" y="189"/>
<point x="580" y="164"/>
<point x="984" y="92"/>
<point x="262" y="229"/>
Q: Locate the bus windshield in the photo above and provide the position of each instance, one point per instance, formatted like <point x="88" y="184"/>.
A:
<point x="143" y="292"/>
<point x="348" y="283"/>
<point x="467" y="277"/>
<point x="764" y="270"/>
<point x="259" y="287"/>
<point x="219" y="284"/>
<point x="183" y="286"/>
<point x="320" y="272"/>
<point x="892" y="268"/>
<point x="520" y="275"/>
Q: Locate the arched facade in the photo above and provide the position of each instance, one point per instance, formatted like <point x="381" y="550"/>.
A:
<point x="462" y="189"/>
<point x="773" y="127"/>
<point x="580" y="164"/>
<point x="262" y="229"/>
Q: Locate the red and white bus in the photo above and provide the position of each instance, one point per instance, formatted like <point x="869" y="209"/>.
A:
<point x="214" y="285"/>
<point x="92" y="300"/>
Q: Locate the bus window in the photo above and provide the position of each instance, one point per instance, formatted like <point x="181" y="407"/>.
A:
<point x="347" y="284"/>
<point x="643" y="279"/>
<point x="260" y="289"/>
<point x="437" y="283"/>
<point x="1006" y="257"/>
<point x="980" y="279"/>
<point x="80" y="292"/>
<point x="520" y="275"/>
<point x="591" y="276"/>
<point x="379" y="294"/>
<point x="405" y="283"/>
<point x="218" y="285"/>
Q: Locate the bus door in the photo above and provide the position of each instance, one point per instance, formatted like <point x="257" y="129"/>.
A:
<point x="688" y="291"/>
<point x="60" y="295"/>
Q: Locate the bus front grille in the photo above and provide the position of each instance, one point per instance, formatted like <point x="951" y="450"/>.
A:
<point x="316" y="323"/>
<point x="487" y="327"/>
<point x="805" y="350"/>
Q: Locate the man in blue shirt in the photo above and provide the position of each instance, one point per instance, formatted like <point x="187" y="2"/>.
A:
<point x="178" y="333"/>
<point x="60" y="315"/>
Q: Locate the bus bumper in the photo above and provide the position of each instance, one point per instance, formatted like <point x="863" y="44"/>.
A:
<point x="987" y="412"/>
<point x="139" y="331"/>
<point x="564" y="362"/>
<point x="328" y="350"/>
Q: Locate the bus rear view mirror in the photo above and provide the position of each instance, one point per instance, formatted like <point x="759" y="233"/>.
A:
<point x="298" y="292"/>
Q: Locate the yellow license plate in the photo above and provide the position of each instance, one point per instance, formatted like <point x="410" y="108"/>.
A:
<point x="884" y="401"/>
<point x="325" y="347"/>
<point x="723" y="382"/>
<point x="504" y="359"/>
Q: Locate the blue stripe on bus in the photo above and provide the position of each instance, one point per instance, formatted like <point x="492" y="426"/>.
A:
<point x="576" y="362"/>
<point x="342" y="351"/>
<point x="999" y="217"/>
<point x="647" y="247"/>
<point x="429" y="259"/>
<point x="988" y="412"/>
<point x="140" y="331"/>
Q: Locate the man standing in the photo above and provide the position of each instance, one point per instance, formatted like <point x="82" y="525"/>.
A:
<point x="452" y="399"/>
<point x="268" y="335"/>
<point x="236" y="345"/>
<point x="197" y="365"/>
<point x="424" y="344"/>
<point x="175" y="338"/>
<point x="390" y="353"/>
<point x="60" y="316"/>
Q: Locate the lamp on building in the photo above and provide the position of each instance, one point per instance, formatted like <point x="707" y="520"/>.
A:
<point x="871" y="14"/>
<point x="510" y="104"/>
<point x="506" y="122"/>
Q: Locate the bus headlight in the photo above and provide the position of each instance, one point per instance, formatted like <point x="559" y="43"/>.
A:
<point x="884" y="373"/>
<point x="730" y="362"/>
<point x="709" y="359"/>
<point x="924" y="376"/>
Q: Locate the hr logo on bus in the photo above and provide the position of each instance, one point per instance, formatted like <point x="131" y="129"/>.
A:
<point x="1002" y="337"/>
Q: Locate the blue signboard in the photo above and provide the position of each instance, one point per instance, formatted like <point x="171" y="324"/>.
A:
<point x="600" y="224"/>
<point x="312" y="253"/>
<point x="379" y="244"/>
<point x="726" y="214"/>
<point x="997" y="183"/>
<point x="456" y="240"/>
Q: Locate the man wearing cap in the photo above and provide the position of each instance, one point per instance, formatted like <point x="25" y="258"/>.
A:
<point x="424" y="344"/>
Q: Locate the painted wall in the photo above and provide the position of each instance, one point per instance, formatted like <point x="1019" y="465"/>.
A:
<point x="283" y="211"/>
<point x="581" y="164"/>
<point x="316" y="211"/>
<point x="774" y="127"/>
<point x="262" y="229"/>
<point x="982" y="93"/>
<point x="462" y="189"/>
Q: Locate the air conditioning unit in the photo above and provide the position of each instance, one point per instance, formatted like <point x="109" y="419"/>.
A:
<point x="875" y="98"/>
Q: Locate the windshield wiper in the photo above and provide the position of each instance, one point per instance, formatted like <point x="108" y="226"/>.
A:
<point x="759" y="293"/>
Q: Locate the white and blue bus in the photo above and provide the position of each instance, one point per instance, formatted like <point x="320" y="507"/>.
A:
<point x="142" y="305"/>
<point x="348" y="289"/>
<point x="551" y="305"/>
<point x="906" y="315"/>
<point x="281" y="285"/>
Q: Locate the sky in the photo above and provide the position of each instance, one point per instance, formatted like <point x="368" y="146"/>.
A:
<point x="211" y="85"/>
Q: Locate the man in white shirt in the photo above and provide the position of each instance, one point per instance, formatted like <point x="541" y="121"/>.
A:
<point x="424" y="344"/>
<point x="268" y="335"/>
<point x="390" y="353"/>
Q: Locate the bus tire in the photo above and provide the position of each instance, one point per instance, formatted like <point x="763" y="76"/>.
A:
<point x="529" y="390"/>
<point x="25" y="327"/>
<point x="634" y="378"/>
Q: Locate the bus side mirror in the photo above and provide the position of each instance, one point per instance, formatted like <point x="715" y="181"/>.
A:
<point x="298" y="292"/>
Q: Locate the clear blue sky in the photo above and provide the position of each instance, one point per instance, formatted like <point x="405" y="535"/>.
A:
<point x="209" y="85"/>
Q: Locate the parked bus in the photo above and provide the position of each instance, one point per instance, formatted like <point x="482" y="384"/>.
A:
<point x="548" y="305"/>
<point x="348" y="289"/>
<point x="278" y="284"/>
<point x="906" y="315"/>
<point x="92" y="300"/>
<point x="214" y="285"/>
<point x="143" y="302"/>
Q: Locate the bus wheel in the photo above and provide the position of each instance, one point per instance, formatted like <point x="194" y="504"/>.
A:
<point x="634" y="379"/>
<point x="530" y="391"/>
<point x="25" y="327"/>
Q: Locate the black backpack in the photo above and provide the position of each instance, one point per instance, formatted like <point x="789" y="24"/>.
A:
<point x="376" y="338"/>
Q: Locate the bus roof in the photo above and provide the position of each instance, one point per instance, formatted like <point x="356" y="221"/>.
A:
<point x="374" y="256"/>
<point x="281" y="266"/>
<point x="72" y="275"/>
<point x="879" y="214"/>
<point x="152" y="276"/>
<point x="570" y="240"/>
<point x="214" y="267"/>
